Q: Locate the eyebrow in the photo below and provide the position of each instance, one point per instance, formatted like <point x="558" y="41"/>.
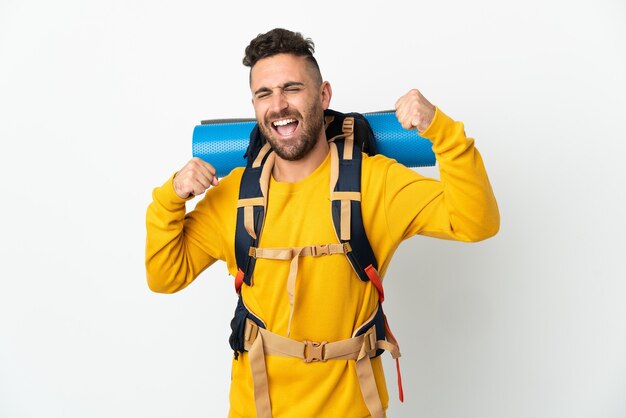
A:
<point x="282" y="87"/>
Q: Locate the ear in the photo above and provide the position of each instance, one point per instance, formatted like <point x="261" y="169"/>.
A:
<point x="326" y="92"/>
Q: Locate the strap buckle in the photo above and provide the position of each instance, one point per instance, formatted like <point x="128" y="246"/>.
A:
<point x="314" y="351"/>
<point x="319" y="250"/>
<point x="251" y="331"/>
<point x="348" y="125"/>
<point x="369" y="341"/>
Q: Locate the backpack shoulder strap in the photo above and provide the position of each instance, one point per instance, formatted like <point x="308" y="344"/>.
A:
<point x="251" y="209"/>
<point x="345" y="195"/>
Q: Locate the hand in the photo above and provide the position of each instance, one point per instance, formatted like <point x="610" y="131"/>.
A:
<point x="194" y="178"/>
<point x="414" y="111"/>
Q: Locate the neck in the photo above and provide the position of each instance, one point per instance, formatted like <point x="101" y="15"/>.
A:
<point x="293" y="171"/>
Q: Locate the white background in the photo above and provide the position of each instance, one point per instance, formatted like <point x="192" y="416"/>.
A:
<point x="98" y="101"/>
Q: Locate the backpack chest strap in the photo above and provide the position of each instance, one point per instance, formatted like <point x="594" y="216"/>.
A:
<point x="294" y="254"/>
<point x="290" y="253"/>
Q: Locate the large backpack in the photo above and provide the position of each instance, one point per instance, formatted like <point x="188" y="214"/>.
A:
<point x="349" y="135"/>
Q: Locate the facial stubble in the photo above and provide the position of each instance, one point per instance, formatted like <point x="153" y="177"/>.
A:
<point x="298" y="147"/>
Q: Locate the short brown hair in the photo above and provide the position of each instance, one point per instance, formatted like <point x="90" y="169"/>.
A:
<point x="281" y="41"/>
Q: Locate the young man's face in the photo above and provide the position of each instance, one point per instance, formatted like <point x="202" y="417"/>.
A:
<point x="289" y="104"/>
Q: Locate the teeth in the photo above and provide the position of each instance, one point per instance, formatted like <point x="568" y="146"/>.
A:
<point x="283" y="122"/>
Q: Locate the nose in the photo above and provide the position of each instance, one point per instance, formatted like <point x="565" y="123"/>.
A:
<point x="279" y="102"/>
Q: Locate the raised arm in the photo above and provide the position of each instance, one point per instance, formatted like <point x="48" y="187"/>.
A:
<point x="173" y="257"/>
<point x="461" y="205"/>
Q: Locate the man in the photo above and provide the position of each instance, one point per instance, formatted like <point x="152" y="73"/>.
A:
<point x="327" y="301"/>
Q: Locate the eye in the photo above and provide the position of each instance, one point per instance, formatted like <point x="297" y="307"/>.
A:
<point x="262" y="95"/>
<point x="293" y="88"/>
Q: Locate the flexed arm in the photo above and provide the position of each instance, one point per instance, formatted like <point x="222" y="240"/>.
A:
<point x="173" y="258"/>
<point x="461" y="205"/>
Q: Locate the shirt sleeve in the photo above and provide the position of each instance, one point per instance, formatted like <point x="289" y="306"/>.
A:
<point x="460" y="206"/>
<point x="180" y="245"/>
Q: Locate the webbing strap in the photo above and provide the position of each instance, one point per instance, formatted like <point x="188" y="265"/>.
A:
<point x="334" y="166"/>
<point x="348" y="349"/>
<point x="248" y="204"/>
<point x="251" y="201"/>
<point x="288" y="253"/>
<point x="344" y="229"/>
<point x="266" y="172"/>
<point x="345" y="196"/>
<point x="394" y="342"/>
<point x="348" y="145"/>
<point x="259" y="377"/>
<point x="348" y="131"/>
<point x="294" y="254"/>
<point x="378" y="284"/>
<point x="291" y="285"/>
<point x="248" y="220"/>
<point x="260" y="342"/>
<point x="367" y="383"/>
<point x="262" y="153"/>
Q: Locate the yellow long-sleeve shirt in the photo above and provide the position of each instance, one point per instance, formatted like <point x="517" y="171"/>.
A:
<point x="330" y="300"/>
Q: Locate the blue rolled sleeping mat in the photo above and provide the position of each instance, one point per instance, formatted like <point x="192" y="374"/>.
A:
<point x="223" y="142"/>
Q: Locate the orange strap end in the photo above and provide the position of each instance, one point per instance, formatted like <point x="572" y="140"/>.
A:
<point x="400" y="390"/>
<point x="239" y="280"/>
<point x="393" y="338"/>
<point x="372" y="274"/>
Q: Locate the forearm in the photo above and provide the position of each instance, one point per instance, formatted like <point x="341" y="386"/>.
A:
<point x="173" y="260"/>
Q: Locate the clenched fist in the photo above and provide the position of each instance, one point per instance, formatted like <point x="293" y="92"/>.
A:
<point x="194" y="178"/>
<point x="414" y="111"/>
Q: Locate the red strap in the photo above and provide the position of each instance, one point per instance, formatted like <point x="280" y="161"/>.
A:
<point x="389" y="333"/>
<point x="239" y="280"/>
<point x="393" y="338"/>
<point x="400" y="391"/>
<point x="372" y="274"/>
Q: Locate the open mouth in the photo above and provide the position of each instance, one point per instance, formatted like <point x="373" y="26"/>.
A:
<point x="285" y="127"/>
